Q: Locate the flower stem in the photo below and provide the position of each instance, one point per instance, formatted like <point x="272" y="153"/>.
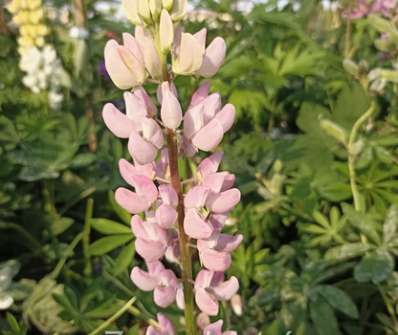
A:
<point x="352" y="156"/>
<point x="186" y="261"/>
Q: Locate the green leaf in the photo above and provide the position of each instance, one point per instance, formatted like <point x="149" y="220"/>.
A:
<point x="109" y="227"/>
<point x="390" y="227"/>
<point x="108" y="243"/>
<point x="375" y="267"/>
<point x="347" y="251"/>
<point x="339" y="300"/>
<point x="323" y="317"/>
<point x="13" y="323"/>
<point x="121" y="213"/>
<point x="125" y="259"/>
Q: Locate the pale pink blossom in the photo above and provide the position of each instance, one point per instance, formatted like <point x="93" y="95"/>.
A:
<point x="216" y="329"/>
<point x="170" y="111"/>
<point x="210" y="288"/>
<point x="165" y="327"/>
<point x="125" y="63"/>
<point x="161" y="281"/>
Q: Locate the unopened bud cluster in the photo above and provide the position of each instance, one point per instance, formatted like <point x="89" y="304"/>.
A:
<point x="167" y="218"/>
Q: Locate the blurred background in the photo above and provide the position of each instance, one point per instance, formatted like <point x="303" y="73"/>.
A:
<point x="300" y="73"/>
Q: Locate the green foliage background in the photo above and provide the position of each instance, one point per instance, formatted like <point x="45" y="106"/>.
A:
<point x="311" y="262"/>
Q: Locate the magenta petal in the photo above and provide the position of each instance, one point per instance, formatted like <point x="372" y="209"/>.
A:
<point x="195" y="226"/>
<point x="224" y="201"/>
<point x="150" y="250"/>
<point x="142" y="151"/>
<point x="209" y="136"/>
<point x="215" y="260"/>
<point x="196" y="197"/>
<point x="206" y="303"/>
<point x="164" y="296"/>
<point x="130" y="201"/>
<point x="226" y="289"/>
<point x="143" y="280"/>
<point x="117" y="122"/>
<point x="226" y="116"/>
<point x="166" y="216"/>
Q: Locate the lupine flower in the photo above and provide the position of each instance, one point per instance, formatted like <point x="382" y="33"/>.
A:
<point x="192" y="57"/>
<point x="165" y="327"/>
<point x="159" y="194"/>
<point x="210" y="288"/>
<point x="158" y="279"/>
<point x="205" y="122"/>
<point x="363" y="8"/>
<point x="124" y="63"/>
<point x="216" y="329"/>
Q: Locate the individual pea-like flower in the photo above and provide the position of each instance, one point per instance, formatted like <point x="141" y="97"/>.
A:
<point x="210" y="288"/>
<point x="158" y="279"/>
<point x="216" y="329"/>
<point x="190" y="55"/>
<point x="125" y="63"/>
<point x="205" y="122"/>
<point x="164" y="327"/>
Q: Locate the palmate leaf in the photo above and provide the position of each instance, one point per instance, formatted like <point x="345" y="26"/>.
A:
<point x="375" y="268"/>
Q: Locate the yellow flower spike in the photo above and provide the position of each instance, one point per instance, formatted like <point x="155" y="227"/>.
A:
<point x="25" y="41"/>
<point x="33" y="4"/>
<point x="14" y="6"/>
<point x="36" y="16"/>
<point x="39" y="42"/>
<point x="42" y="30"/>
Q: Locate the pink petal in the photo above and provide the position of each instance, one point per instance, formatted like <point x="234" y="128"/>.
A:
<point x="195" y="226"/>
<point x="227" y="289"/>
<point x="213" y="58"/>
<point x="117" y="70"/>
<point x="168" y="195"/>
<point x="180" y="298"/>
<point x="200" y="94"/>
<point x="130" y="201"/>
<point x="166" y="325"/>
<point x="117" y="122"/>
<point x="206" y="303"/>
<point x="224" y="201"/>
<point x="214" y="328"/>
<point x="211" y="105"/>
<point x="137" y="227"/>
<point x="142" y="151"/>
<point x="215" y="260"/>
<point x="209" y="136"/>
<point x="193" y="121"/>
<point x="145" y="187"/>
<point x="128" y="170"/>
<point x="149" y="52"/>
<point x="201" y="37"/>
<point x="228" y="243"/>
<point x="143" y="96"/>
<point x="152" y="132"/>
<point x="226" y="116"/>
<point x="164" y="296"/>
<point x="203" y="279"/>
<point x="166" y="216"/>
<point x="210" y="164"/>
<point x="170" y="111"/>
<point x="229" y="181"/>
<point x="135" y="110"/>
<point x="131" y="44"/>
<point x="150" y="250"/>
<point x="215" y="181"/>
<point x="142" y="279"/>
<point x="196" y="197"/>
